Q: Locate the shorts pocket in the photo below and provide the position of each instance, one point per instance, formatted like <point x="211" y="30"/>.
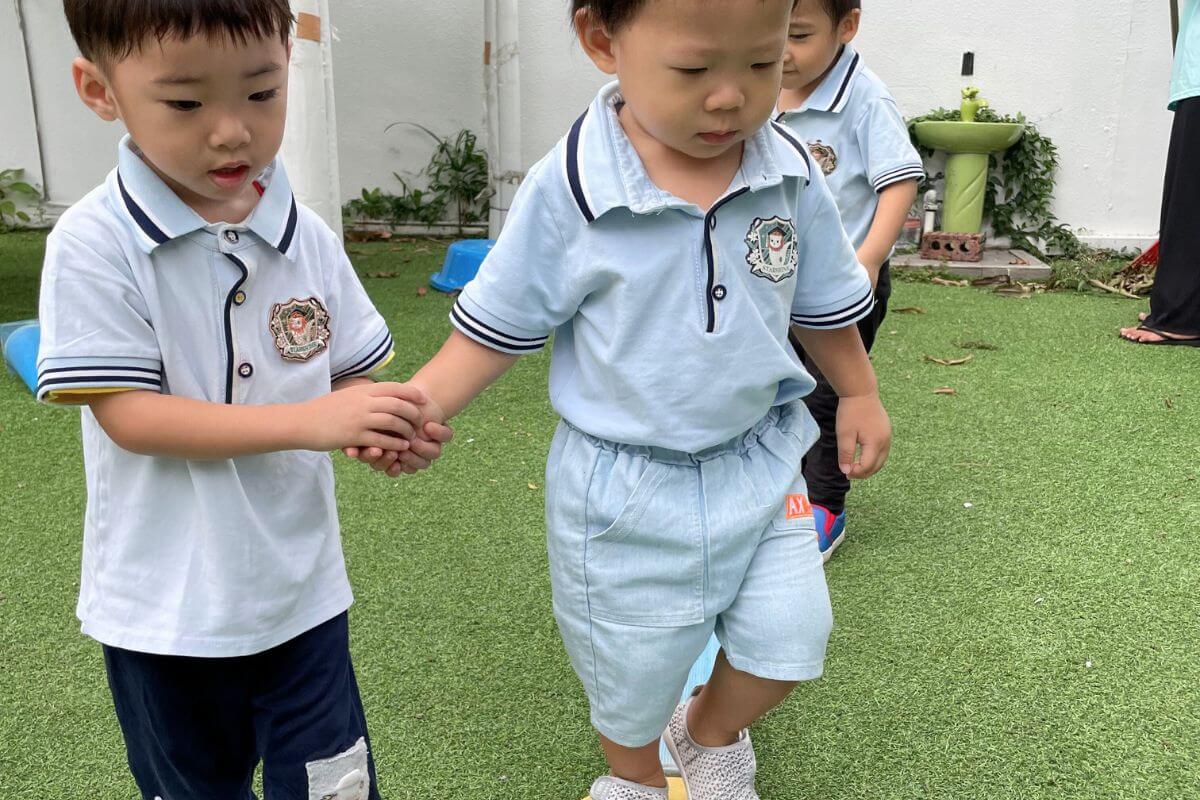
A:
<point x="647" y="566"/>
<point x="341" y="777"/>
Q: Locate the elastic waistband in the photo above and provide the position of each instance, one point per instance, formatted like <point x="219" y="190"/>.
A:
<point x="788" y="417"/>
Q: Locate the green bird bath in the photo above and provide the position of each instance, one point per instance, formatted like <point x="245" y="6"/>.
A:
<point x="968" y="144"/>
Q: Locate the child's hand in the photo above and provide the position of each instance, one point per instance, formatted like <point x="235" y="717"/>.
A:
<point x="380" y="415"/>
<point x="863" y="430"/>
<point x="424" y="448"/>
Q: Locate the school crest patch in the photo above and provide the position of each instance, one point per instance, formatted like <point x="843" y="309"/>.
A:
<point x="300" y="328"/>
<point x="824" y="155"/>
<point x="772" y="244"/>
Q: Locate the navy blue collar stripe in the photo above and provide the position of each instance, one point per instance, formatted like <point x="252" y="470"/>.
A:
<point x="797" y="144"/>
<point x="845" y="83"/>
<point x="139" y="216"/>
<point x="573" y="168"/>
<point x="289" y="231"/>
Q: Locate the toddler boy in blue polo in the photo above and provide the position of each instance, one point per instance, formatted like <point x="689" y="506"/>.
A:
<point x="674" y="501"/>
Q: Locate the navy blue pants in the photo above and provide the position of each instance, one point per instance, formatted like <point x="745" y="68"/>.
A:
<point x="196" y="728"/>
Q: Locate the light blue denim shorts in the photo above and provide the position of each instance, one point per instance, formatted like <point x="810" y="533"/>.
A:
<point x="652" y="550"/>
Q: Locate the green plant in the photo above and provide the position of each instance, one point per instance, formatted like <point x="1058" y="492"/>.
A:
<point x="14" y="190"/>
<point x="457" y="177"/>
<point x="1021" y="184"/>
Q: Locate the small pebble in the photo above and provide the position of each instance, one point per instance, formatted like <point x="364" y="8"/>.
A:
<point x="968" y="505"/>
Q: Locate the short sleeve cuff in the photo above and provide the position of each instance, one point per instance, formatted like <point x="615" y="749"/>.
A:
<point x="490" y="331"/>
<point x="903" y="172"/>
<point x="837" y="315"/>
<point x="370" y="358"/>
<point x="63" y="380"/>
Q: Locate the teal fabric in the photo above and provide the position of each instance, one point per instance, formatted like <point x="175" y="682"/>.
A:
<point x="1185" y="78"/>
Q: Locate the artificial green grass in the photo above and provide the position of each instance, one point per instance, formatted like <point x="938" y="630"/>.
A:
<point x="1039" y="644"/>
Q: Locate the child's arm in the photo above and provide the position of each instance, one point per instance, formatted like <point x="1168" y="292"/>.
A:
<point x="383" y="415"/>
<point x="862" y="422"/>
<point x="894" y="202"/>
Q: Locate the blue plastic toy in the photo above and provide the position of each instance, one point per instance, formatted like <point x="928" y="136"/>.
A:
<point x="462" y="262"/>
<point x="20" y="352"/>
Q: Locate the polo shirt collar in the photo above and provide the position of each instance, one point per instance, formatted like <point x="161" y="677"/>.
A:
<point x="834" y="91"/>
<point x="157" y="215"/>
<point x="604" y="172"/>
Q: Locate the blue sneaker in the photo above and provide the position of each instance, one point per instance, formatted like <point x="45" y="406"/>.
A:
<point x="831" y="530"/>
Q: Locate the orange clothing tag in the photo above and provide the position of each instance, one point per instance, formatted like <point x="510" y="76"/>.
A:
<point x="798" y="506"/>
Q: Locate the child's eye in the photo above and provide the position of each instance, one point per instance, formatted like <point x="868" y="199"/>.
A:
<point x="183" y="105"/>
<point x="692" y="70"/>
<point x="799" y="37"/>
<point x="764" y="65"/>
<point x="262" y="97"/>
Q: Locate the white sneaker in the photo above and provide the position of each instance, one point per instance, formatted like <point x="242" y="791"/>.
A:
<point x="711" y="773"/>
<point x="610" y="788"/>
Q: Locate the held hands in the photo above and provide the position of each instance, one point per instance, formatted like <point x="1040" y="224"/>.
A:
<point x="422" y="447"/>
<point x="864" y="435"/>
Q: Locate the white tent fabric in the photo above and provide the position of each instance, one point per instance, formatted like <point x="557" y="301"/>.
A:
<point x="310" y="137"/>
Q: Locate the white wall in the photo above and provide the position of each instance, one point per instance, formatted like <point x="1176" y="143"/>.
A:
<point x="1093" y="76"/>
<point x="18" y="135"/>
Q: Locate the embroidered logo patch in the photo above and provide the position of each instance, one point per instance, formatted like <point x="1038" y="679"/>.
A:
<point x="798" y="506"/>
<point x="772" y="244"/>
<point x="300" y="328"/>
<point x="824" y="155"/>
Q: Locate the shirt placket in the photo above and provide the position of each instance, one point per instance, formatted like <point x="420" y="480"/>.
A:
<point x="237" y="370"/>
<point x="714" y="290"/>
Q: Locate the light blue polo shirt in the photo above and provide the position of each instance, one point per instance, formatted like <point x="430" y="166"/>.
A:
<point x="670" y="322"/>
<point x="203" y="558"/>
<point x="1185" y="76"/>
<point x="855" y="132"/>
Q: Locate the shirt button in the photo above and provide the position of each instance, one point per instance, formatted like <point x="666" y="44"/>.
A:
<point x="246" y="369"/>
<point x="239" y="298"/>
<point x="718" y="292"/>
<point x="231" y="236"/>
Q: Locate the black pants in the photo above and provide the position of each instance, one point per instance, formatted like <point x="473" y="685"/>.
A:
<point x="196" y="728"/>
<point x="1175" y="298"/>
<point x="827" y="486"/>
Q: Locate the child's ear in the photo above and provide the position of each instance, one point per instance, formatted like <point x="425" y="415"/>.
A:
<point x="93" y="89"/>
<point x="848" y="27"/>
<point x="596" y="42"/>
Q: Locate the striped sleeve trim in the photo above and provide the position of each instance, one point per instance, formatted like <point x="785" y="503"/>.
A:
<point x="374" y="359"/>
<point x="64" y="380"/>
<point x="844" y="316"/>
<point x="908" y="172"/>
<point x="493" y="337"/>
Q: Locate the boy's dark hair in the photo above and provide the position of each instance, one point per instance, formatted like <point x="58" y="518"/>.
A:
<point x="612" y="14"/>
<point x="838" y="10"/>
<point x="111" y="30"/>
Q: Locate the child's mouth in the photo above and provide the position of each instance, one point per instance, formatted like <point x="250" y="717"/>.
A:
<point x="712" y="137"/>
<point x="230" y="177"/>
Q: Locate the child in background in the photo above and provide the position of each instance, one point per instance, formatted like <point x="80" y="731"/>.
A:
<point x="855" y="133"/>
<point x="669" y="242"/>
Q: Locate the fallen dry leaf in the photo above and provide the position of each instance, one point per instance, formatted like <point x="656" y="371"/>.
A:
<point x="992" y="280"/>
<point x="944" y="390"/>
<point x="1167" y="400"/>
<point x="949" y="362"/>
<point x="945" y="282"/>
<point x="533" y="486"/>
<point x="380" y="275"/>
<point x="422" y="291"/>
<point x="909" y="310"/>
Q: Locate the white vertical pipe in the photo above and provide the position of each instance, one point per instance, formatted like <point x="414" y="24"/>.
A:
<point x="502" y="79"/>
<point x="310" y="136"/>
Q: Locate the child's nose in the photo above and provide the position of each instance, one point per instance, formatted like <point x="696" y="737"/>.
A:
<point x="230" y="133"/>
<point x="727" y="97"/>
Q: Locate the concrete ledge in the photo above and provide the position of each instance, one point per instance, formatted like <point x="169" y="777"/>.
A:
<point x="1016" y="264"/>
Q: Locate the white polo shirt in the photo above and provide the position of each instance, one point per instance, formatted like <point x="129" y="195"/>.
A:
<point x="203" y="558"/>
<point x="670" y="322"/>
<point x="855" y="132"/>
